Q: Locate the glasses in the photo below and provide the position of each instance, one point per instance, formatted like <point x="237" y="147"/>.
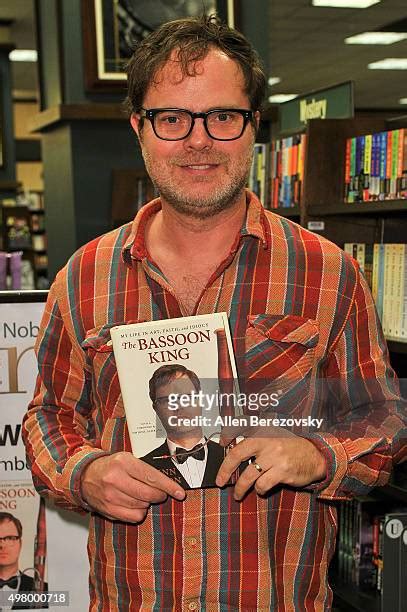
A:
<point x="178" y="123"/>
<point x="9" y="540"/>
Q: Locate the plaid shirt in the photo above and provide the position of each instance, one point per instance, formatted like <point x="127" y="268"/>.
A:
<point x="299" y="310"/>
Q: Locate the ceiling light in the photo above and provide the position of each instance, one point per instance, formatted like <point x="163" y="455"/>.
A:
<point x="390" y="63"/>
<point x="376" y="38"/>
<point x="345" y="3"/>
<point x="403" y="101"/>
<point x="23" y="55"/>
<point x="279" y="98"/>
<point x="273" y="80"/>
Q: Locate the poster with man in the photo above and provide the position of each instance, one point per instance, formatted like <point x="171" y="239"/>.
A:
<point x="33" y="535"/>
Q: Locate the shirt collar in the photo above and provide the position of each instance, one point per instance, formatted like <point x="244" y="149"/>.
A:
<point x="135" y="247"/>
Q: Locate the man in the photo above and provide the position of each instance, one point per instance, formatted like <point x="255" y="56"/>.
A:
<point x="298" y="310"/>
<point x="186" y="456"/>
<point x="12" y="580"/>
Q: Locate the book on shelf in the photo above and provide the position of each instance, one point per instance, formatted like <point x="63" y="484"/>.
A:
<point x="287" y="171"/>
<point x="370" y="550"/>
<point x="258" y="177"/>
<point x="376" y="166"/>
<point x="385" y="269"/>
<point x="178" y="382"/>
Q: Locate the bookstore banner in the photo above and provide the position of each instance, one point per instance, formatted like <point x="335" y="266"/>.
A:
<point x="39" y="534"/>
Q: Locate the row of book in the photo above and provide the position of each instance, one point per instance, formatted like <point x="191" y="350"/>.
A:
<point x="376" y="167"/>
<point x="371" y="551"/>
<point x="258" y="173"/>
<point x="277" y="172"/>
<point x="287" y="171"/>
<point x="385" y="269"/>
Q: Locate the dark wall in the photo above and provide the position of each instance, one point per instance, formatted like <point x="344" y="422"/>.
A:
<point x="78" y="161"/>
<point x="7" y="143"/>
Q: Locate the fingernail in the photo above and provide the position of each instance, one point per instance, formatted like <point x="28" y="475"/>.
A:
<point x="179" y="494"/>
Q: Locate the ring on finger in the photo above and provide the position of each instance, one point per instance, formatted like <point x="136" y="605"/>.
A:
<point x="257" y="466"/>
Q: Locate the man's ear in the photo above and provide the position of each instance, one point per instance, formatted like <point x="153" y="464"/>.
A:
<point x="135" y="123"/>
<point x="257" y="116"/>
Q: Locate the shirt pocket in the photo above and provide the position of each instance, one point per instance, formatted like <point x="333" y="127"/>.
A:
<point x="280" y="356"/>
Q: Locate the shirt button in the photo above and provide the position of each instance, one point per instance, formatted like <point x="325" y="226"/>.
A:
<point x="193" y="605"/>
<point x="192" y="541"/>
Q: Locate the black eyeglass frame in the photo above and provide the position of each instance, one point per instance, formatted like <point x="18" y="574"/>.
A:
<point x="150" y="114"/>
<point x="10" y="539"/>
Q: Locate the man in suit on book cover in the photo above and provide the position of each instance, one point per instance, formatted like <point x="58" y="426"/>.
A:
<point x="12" y="579"/>
<point x="186" y="456"/>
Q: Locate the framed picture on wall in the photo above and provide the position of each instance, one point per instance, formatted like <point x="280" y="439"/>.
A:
<point x="112" y="28"/>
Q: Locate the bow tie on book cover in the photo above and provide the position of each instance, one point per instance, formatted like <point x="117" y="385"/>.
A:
<point x="10" y="582"/>
<point x="182" y="454"/>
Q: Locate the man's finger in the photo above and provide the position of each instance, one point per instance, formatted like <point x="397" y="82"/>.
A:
<point x="245" y="481"/>
<point x="127" y="515"/>
<point x="241" y="452"/>
<point x="126" y="494"/>
<point x="154" y="478"/>
<point x="267" y="481"/>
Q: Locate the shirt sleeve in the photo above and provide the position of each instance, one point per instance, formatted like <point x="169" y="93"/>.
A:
<point x="367" y="430"/>
<point x="58" y="430"/>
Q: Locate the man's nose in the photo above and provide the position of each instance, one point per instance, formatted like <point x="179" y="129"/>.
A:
<point x="199" y="137"/>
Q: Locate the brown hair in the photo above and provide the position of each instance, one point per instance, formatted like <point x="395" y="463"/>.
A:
<point x="192" y="37"/>
<point x="167" y="373"/>
<point x="7" y="516"/>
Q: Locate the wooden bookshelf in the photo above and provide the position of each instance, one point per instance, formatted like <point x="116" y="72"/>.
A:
<point x="385" y="207"/>
<point x="397" y="347"/>
<point x="292" y="211"/>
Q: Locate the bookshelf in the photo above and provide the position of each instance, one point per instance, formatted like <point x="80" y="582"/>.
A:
<point x="23" y="229"/>
<point x="323" y="192"/>
<point x="323" y="201"/>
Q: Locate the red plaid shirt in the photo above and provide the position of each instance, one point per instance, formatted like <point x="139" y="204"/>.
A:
<point x="299" y="311"/>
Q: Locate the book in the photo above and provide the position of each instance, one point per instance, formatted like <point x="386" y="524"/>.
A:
<point x="178" y="382"/>
<point x="23" y="522"/>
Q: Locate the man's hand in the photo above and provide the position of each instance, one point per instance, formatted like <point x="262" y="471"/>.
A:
<point x="123" y="487"/>
<point x="283" y="460"/>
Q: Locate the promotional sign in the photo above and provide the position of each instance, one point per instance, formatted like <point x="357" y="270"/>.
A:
<point x="40" y="549"/>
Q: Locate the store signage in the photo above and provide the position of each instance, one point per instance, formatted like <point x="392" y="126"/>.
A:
<point x="333" y="103"/>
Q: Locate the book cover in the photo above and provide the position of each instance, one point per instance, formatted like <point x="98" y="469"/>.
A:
<point x="403" y="323"/>
<point x="23" y="533"/>
<point x="178" y="382"/>
<point x="382" y="165"/>
<point x="380" y="286"/>
<point x="368" y="269"/>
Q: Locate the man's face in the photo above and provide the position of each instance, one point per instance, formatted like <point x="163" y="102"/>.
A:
<point x="182" y="386"/>
<point x="198" y="176"/>
<point x="9" y="551"/>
